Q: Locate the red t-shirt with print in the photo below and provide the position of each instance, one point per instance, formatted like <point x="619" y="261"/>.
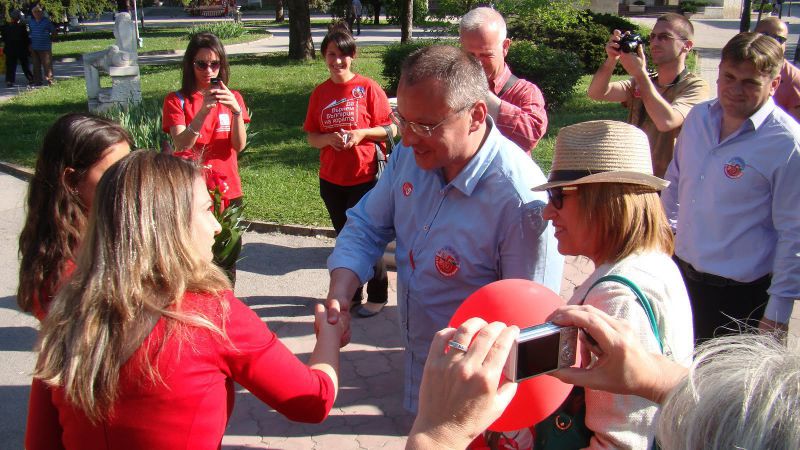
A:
<point x="214" y="143"/>
<point x="358" y="103"/>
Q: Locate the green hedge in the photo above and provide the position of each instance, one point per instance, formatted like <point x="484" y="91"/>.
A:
<point x="395" y="54"/>
<point x="555" y="72"/>
<point x="587" y="40"/>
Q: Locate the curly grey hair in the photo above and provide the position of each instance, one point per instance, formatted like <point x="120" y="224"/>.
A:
<point x="743" y="392"/>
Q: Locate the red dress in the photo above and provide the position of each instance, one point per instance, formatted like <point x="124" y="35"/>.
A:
<point x="190" y="410"/>
<point x="214" y="144"/>
<point x="358" y="103"/>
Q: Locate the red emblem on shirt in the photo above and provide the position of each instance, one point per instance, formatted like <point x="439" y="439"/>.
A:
<point x="447" y="261"/>
<point x="408" y="188"/>
<point x="734" y="168"/>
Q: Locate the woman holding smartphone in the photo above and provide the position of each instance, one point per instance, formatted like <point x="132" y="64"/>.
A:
<point x="205" y="116"/>
<point x="348" y="115"/>
<point x="142" y="348"/>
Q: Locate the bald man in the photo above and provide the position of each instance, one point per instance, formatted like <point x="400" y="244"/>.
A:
<point x="516" y="105"/>
<point x="787" y="96"/>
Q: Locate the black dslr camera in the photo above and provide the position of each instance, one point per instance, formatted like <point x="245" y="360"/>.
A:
<point x="630" y="42"/>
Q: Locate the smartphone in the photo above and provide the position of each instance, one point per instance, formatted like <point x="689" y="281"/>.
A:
<point x="541" y="349"/>
<point x="216" y="81"/>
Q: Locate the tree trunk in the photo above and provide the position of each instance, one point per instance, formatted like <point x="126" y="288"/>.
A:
<point x="406" y="20"/>
<point x="279" y="17"/>
<point x="300" y="44"/>
<point x="376" y="9"/>
<point x="744" y="24"/>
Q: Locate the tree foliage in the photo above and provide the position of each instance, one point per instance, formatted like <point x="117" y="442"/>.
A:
<point x="60" y="9"/>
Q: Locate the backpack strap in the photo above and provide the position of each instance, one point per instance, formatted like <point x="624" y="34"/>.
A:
<point x="389" y="139"/>
<point x="648" y="309"/>
<point x="512" y="80"/>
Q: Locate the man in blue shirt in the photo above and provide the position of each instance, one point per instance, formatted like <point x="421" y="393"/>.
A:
<point x="456" y="195"/>
<point x="734" y="194"/>
<point x="41" y="46"/>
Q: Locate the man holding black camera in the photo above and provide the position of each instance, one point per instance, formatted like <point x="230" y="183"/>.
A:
<point x="657" y="103"/>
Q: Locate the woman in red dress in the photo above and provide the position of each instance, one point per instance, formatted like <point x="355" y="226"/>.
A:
<point x="77" y="149"/>
<point x="142" y="348"/>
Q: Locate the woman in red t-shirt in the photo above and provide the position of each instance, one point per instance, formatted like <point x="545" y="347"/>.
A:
<point x="208" y="118"/>
<point x="347" y="116"/>
<point x="142" y="348"/>
<point x="76" y="150"/>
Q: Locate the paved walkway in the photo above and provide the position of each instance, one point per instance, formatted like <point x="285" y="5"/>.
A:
<point x="280" y="278"/>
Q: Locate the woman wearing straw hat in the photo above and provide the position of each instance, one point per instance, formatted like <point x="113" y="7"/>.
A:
<point x="604" y="205"/>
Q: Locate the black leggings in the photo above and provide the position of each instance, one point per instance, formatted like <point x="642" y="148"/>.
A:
<point x="338" y="199"/>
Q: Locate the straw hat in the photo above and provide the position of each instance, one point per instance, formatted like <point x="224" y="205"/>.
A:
<point x="602" y="151"/>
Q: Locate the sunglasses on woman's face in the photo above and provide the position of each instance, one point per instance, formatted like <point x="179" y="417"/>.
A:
<point x="203" y="65"/>
<point x="556" y="195"/>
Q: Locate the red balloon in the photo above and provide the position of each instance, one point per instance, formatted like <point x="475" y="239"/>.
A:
<point x="522" y="303"/>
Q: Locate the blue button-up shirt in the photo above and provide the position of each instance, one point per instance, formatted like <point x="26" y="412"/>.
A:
<point x="452" y="238"/>
<point x="40" y="33"/>
<point x="736" y="204"/>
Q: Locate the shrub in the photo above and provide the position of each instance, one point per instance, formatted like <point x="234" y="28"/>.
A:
<point x="613" y="22"/>
<point x="555" y="72"/>
<point x="588" y="40"/>
<point x="392" y="10"/>
<point x="143" y="121"/>
<point x="223" y="30"/>
<point x="395" y="54"/>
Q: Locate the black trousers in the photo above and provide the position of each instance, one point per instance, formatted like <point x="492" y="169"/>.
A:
<point x="338" y="199"/>
<point x="11" y="66"/>
<point x="722" y="306"/>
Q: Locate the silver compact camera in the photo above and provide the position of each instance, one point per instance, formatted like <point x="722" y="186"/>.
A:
<point x="541" y="349"/>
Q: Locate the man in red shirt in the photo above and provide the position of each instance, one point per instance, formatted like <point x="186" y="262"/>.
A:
<point x="516" y="105"/>
<point x="787" y="96"/>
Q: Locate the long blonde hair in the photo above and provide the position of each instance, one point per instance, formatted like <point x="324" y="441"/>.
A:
<point x="136" y="263"/>
<point x="627" y="218"/>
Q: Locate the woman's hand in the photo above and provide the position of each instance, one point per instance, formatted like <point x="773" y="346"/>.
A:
<point x="459" y="396"/>
<point x="338" y="140"/>
<point x="323" y="316"/>
<point x="224" y="96"/>
<point x="355" y="138"/>
<point x="613" y="359"/>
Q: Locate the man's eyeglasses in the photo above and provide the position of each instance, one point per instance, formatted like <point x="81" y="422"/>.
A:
<point x="556" y="195"/>
<point x="203" y="65"/>
<point x="780" y="39"/>
<point x="664" y="37"/>
<point x="418" y="128"/>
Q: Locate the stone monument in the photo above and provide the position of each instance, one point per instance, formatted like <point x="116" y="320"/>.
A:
<point x="120" y="61"/>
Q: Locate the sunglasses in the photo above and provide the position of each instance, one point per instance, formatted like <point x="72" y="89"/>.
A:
<point x="556" y="195"/>
<point x="780" y="39"/>
<point x="203" y="65"/>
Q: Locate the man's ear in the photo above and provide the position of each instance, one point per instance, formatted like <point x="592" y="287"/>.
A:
<point x="773" y="85"/>
<point x="506" y="45"/>
<point x="478" y="115"/>
<point x="688" y="45"/>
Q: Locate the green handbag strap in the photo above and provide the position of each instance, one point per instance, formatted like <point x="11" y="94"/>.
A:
<point x="639" y="296"/>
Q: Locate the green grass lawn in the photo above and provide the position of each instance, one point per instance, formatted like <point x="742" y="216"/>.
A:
<point x="74" y="45"/>
<point x="279" y="169"/>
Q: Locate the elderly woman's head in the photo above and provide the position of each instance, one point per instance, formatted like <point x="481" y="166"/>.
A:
<point x="603" y="196"/>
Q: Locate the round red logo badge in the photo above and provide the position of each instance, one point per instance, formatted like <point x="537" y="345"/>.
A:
<point x="408" y="188"/>
<point x="447" y="261"/>
<point x="734" y="168"/>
